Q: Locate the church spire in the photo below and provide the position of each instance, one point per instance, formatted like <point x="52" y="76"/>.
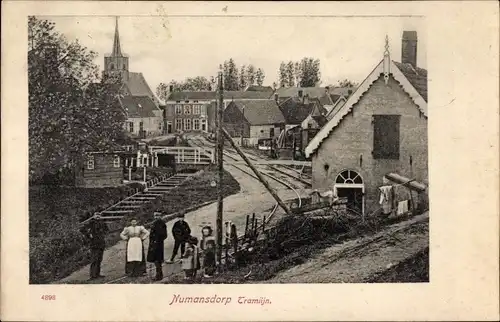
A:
<point x="117" y="51"/>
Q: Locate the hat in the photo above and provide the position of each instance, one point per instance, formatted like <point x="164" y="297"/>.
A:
<point x="181" y="216"/>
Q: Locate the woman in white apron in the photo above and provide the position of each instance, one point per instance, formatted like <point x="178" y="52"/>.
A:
<point x="135" y="259"/>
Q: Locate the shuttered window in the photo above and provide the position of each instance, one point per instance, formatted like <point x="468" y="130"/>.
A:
<point x="386" y="136"/>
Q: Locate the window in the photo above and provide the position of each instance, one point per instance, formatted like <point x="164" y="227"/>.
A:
<point x="178" y="109"/>
<point x="178" y="124"/>
<point x="386" y="136"/>
<point x="90" y="162"/>
<point x="196" y="124"/>
<point x="203" y="110"/>
<point x="195" y="101"/>
<point x="187" y="109"/>
<point x="186" y="101"/>
<point x="160" y="122"/>
<point x="187" y="124"/>
<point x="111" y="66"/>
<point x="116" y="161"/>
<point x="196" y="109"/>
<point x="131" y="127"/>
<point x="141" y="127"/>
<point x="349" y="177"/>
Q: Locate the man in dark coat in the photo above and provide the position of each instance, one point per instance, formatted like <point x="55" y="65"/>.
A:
<point x="181" y="233"/>
<point x="156" y="238"/>
<point x="95" y="231"/>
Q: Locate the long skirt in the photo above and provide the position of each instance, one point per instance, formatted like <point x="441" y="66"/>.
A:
<point x="135" y="259"/>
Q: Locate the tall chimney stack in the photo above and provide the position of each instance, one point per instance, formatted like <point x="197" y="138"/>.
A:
<point x="409" y="48"/>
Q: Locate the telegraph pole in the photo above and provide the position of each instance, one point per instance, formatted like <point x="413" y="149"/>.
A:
<point x="220" y="147"/>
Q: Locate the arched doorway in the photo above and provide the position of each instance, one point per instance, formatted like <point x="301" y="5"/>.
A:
<point x="349" y="184"/>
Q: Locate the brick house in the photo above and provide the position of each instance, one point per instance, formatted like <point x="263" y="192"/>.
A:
<point x="253" y="120"/>
<point x="144" y="118"/>
<point x="193" y="111"/>
<point x="381" y="129"/>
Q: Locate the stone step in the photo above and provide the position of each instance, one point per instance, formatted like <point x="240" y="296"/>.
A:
<point x="132" y="202"/>
<point x="112" y="218"/>
<point x="111" y="212"/>
<point x="149" y="195"/>
<point x="141" y="198"/>
<point x="122" y="207"/>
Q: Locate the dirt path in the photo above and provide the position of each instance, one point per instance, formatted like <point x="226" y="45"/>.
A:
<point x="357" y="260"/>
<point x="252" y="198"/>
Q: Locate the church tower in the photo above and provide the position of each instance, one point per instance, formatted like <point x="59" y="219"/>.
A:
<point x="117" y="63"/>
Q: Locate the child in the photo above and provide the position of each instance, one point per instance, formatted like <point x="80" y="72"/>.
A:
<point x="209" y="258"/>
<point x="206" y="234"/>
<point x="190" y="259"/>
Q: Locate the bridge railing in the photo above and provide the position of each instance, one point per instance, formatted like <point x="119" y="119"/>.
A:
<point x="186" y="155"/>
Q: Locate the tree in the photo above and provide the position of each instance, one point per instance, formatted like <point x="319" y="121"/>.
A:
<point x="69" y="111"/>
<point x="242" y="78"/>
<point x="347" y="83"/>
<point x="296" y="73"/>
<point x="259" y="77"/>
<point x="251" y="74"/>
<point x="230" y="75"/>
<point x="290" y="73"/>
<point x="283" y="77"/>
<point x="309" y="72"/>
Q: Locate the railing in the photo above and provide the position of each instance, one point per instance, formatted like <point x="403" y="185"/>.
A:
<point x="187" y="155"/>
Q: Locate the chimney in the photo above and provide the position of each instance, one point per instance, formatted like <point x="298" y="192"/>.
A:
<point x="409" y="48"/>
<point x="276" y="97"/>
<point x="300" y="93"/>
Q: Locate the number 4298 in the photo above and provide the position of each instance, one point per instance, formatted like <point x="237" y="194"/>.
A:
<point x="48" y="297"/>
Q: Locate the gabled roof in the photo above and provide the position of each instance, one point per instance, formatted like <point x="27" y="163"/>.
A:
<point x="336" y="107"/>
<point x="138" y="106"/>
<point x="416" y="76"/>
<point x="325" y="99"/>
<point x="295" y="111"/>
<point x="257" y="88"/>
<point x="320" y="119"/>
<point x="211" y="95"/>
<point x="313" y="92"/>
<point x="138" y="86"/>
<point x="398" y="75"/>
<point x="260" y="112"/>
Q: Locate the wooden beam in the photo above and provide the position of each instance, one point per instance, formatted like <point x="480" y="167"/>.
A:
<point x="257" y="173"/>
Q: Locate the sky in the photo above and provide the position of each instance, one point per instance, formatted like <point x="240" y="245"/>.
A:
<point x="178" y="47"/>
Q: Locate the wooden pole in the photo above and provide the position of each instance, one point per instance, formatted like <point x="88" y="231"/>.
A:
<point x="257" y="173"/>
<point x="246" y="227"/>
<point x="220" y="147"/>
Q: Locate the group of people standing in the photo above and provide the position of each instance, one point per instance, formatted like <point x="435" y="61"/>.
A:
<point x="135" y="258"/>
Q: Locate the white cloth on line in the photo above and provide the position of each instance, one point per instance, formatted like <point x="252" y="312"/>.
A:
<point x="402" y="207"/>
<point x="134" y="249"/>
<point x="386" y="199"/>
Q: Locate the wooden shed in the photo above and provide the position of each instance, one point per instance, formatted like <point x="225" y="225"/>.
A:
<point x="99" y="169"/>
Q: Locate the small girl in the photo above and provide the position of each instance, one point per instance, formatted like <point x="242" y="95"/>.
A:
<point x="209" y="259"/>
<point x="190" y="259"/>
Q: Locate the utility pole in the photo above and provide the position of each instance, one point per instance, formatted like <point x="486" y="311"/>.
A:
<point x="220" y="147"/>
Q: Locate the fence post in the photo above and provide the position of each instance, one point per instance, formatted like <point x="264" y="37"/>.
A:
<point x="246" y="227"/>
<point x="253" y="224"/>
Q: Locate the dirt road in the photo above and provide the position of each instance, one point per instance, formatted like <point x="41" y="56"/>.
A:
<point x="252" y="198"/>
<point x="356" y="261"/>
